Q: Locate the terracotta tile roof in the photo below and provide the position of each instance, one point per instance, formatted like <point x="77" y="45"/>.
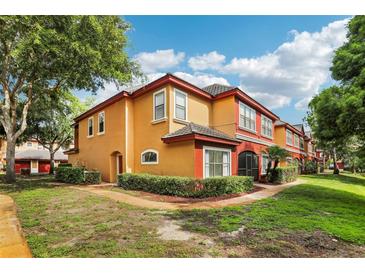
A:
<point x="192" y="128"/>
<point x="216" y="89"/>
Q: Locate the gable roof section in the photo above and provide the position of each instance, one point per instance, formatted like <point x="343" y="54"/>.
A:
<point x="212" y="92"/>
<point x="294" y="128"/>
<point x="192" y="129"/>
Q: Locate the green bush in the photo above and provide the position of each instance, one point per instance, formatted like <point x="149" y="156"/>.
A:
<point x="283" y="175"/>
<point x="310" y="167"/>
<point x="64" y="165"/>
<point x="73" y="175"/>
<point x="185" y="186"/>
<point x="92" y="177"/>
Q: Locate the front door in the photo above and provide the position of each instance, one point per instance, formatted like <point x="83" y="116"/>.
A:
<point x="248" y="164"/>
<point x="119" y="164"/>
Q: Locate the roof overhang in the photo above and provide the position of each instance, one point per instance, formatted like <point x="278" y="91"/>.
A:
<point x="199" y="137"/>
<point x="71" y="151"/>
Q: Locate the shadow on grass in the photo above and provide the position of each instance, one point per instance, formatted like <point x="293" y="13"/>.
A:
<point x="28" y="183"/>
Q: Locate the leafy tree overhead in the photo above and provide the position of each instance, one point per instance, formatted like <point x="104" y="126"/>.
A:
<point x="50" y="120"/>
<point x="42" y="55"/>
<point x="337" y="114"/>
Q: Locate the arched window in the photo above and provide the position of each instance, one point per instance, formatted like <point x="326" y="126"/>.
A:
<point x="149" y="157"/>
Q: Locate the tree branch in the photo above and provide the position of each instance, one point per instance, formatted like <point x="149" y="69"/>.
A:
<point x="23" y="123"/>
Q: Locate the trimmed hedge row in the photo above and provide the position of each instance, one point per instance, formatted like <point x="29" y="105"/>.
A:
<point x="77" y="175"/>
<point x="185" y="186"/>
<point x="283" y="175"/>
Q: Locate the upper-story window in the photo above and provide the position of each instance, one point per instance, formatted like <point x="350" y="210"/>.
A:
<point x="266" y="126"/>
<point x="296" y="140"/>
<point x="159" y="105"/>
<point x="90" y="127"/>
<point x="310" y="148"/>
<point x="247" y="119"/>
<point x="289" y="137"/>
<point x="181" y="102"/>
<point x="101" y="122"/>
<point x="301" y="143"/>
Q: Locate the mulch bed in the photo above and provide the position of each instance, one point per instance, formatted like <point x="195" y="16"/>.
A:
<point x="176" y="199"/>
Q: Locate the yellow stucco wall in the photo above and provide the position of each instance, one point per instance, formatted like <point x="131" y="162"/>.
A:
<point x="96" y="152"/>
<point x="223" y="115"/>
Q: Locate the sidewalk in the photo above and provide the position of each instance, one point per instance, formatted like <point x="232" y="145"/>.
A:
<point x="12" y="241"/>
<point x="270" y="190"/>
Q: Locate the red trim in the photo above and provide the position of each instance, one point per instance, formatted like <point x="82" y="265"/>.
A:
<point x="170" y="79"/>
<point x="102" y="105"/>
<point x="248" y="100"/>
<point x="199" y="137"/>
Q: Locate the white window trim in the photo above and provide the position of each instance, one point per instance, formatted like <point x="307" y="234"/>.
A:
<point x="239" y="118"/>
<point x="150" y="163"/>
<point x="262" y="161"/>
<point x="263" y="134"/>
<point x="301" y="140"/>
<point x="92" y="119"/>
<point x="186" y="105"/>
<point x="164" y="118"/>
<point x="218" y="149"/>
<point x="298" y="140"/>
<point x="103" y="132"/>
<point x="286" y="137"/>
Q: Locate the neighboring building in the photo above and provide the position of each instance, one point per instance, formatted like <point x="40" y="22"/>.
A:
<point x="171" y="127"/>
<point x="37" y="161"/>
<point x="31" y="154"/>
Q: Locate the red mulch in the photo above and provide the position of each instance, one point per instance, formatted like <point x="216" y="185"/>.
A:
<point x="177" y="199"/>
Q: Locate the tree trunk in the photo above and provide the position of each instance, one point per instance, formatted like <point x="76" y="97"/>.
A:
<point x="268" y="167"/>
<point x="51" y="154"/>
<point x="10" y="161"/>
<point x="276" y="163"/>
<point x="334" y="161"/>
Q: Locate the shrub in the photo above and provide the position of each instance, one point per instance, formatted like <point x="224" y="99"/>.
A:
<point x="310" y="167"/>
<point x="283" y="175"/>
<point x="74" y="175"/>
<point x="92" y="177"/>
<point x="64" y="165"/>
<point x="185" y="186"/>
<point x="25" y="171"/>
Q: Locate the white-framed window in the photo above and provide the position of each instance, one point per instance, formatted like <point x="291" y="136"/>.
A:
<point x="217" y="162"/>
<point x="180" y="105"/>
<point x="264" y="162"/>
<point x="289" y="137"/>
<point x="310" y="148"/>
<point x="159" y="105"/>
<point x="266" y="126"/>
<point x="90" y="127"/>
<point x="301" y="143"/>
<point x="247" y="118"/>
<point x="296" y="140"/>
<point x="149" y="157"/>
<point x="29" y="144"/>
<point x="101" y="122"/>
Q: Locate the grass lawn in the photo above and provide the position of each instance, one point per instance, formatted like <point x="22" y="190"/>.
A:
<point x="323" y="218"/>
<point x="63" y="222"/>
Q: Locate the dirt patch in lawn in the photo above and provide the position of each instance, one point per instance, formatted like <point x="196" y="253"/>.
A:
<point x="265" y="244"/>
<point x="176" y="199"/>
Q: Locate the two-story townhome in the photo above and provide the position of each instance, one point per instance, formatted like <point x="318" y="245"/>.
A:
<point x="292" y="138"/>
<point x="171" y="127"/>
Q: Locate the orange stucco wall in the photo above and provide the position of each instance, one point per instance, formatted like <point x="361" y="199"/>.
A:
<point x="223" y="115"/>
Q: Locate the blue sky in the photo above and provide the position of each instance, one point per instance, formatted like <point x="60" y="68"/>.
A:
<point x="281" y="61"/>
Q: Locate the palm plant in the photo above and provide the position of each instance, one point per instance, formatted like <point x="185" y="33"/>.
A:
<point x="275" y="154"/>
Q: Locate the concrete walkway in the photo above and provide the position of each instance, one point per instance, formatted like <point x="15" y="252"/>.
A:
<point x="12" y="241"/>
<point x="269" y="191"/>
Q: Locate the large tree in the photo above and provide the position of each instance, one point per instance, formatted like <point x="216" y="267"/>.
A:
<point x="337" y="114"/>
<point x="49" y="54"/>
<point x="50" y="121"/>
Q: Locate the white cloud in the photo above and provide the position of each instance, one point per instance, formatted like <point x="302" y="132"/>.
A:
<point x="160" y="59"/>
<point x="211" y="60"/>
<point x="296" y="69"/>
<point x="271" y="101"/>
<point x="303" y="103"/>
<point x="201" y="80"/>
